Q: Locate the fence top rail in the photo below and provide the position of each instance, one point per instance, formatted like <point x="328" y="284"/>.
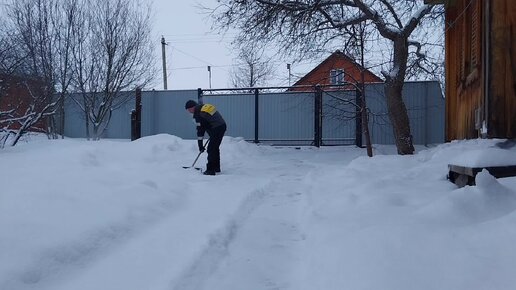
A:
<point x="250" y="90"/>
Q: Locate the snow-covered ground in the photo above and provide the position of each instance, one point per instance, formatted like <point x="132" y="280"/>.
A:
<point x="112" y="215"/>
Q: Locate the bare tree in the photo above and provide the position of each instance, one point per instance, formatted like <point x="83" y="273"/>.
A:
<point x="39" y="31"/>
<point x="252" y="68"/>
<point x="7" y="64"/>
<point x="113" y="52"/>
<point x="356" y="41"/>
<point x="10" y="57"/>
<point x="94" y="48"/>
<point x="305" y="27"/>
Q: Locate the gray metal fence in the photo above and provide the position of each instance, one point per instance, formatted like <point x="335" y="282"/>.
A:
<point x="339" y="117"/>
<point x="426" y="108"/>
<point x="266" y="117"/>
<point x="281" y="117"/>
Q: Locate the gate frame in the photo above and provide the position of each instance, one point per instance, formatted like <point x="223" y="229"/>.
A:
<point x="317" y="90"/>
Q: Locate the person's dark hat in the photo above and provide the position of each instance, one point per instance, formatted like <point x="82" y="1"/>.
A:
<point x="190" y="103"/>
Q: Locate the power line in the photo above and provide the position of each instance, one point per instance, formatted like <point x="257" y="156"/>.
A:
<point x="197" y="38"/>
<point x="198" y="67"/>
<point x="192" y="56"/>
<point x="194" y="41"/>
<point x="459" y="16"/>
<point x="199" y="34"/>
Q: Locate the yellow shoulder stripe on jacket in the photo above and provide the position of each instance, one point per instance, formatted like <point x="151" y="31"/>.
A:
<point x="207" y="108"/>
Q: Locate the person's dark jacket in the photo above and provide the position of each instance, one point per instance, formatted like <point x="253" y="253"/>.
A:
<point x="207" y="118"/>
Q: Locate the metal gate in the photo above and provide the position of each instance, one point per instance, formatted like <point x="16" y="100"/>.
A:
<point x="307" y="115"/>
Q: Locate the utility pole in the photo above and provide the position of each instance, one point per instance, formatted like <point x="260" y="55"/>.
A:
<point x="209" y="74"/>
<point x="163" y="43"/>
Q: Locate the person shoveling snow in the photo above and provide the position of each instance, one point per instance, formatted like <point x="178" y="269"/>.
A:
<point x="208" y="119"/>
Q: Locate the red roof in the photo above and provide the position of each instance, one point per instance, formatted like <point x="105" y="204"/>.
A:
<point x="337" y="60"/>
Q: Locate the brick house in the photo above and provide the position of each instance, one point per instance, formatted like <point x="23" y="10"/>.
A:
<point x="337" y="69"/>
<point x="16" y="93"/>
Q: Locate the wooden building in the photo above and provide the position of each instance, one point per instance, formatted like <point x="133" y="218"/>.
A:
<point x="336" y="69"/>
<point x="480" y="68"/>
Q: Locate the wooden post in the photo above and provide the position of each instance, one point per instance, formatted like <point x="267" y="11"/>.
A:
<point x="199" y="96"/>
<point x="136" y="117"/>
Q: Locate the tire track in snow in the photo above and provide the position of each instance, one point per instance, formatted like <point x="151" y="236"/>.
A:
<point x="218" y="248"/>
<point x="269" y="246"/>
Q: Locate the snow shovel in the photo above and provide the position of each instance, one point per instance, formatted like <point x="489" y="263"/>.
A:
<point x="198" y="155"/>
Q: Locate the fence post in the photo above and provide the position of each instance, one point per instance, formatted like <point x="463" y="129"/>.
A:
<point x="136" y="117"/>
<point x="199" y="96"/>
<point x="256" y="115"/>
<point x="358" y="118"/>
<point x="318" y="116"/>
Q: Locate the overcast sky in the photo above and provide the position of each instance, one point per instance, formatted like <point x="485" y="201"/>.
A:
<point x="192" y="48"/>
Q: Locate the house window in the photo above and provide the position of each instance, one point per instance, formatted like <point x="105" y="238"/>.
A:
<point x="469" y="52"/>
<point x="336" y="76"/>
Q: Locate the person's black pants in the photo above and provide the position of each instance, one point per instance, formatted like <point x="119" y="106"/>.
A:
<point x="216" y="135"/>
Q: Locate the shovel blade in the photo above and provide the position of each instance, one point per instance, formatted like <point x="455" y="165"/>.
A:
<point x="188" y="167"/>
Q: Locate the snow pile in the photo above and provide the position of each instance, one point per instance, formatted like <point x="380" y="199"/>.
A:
<point x="126" y="215"/>
<point x="486" y="153"/>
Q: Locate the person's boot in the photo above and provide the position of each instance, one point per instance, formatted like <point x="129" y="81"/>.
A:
<point x="209" y="169"/>
<point x="209" y="172"/>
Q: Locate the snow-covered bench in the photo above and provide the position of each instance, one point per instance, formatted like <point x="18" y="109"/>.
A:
<point x="464" y="175"/>
<point x="499" y="160"/>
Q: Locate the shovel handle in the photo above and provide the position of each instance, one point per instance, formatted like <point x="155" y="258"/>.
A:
<point x="200" y="153"/>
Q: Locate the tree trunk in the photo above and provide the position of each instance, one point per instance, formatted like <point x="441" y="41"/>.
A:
<point x="364" y="115"/>
<point x="394" y="81"/>
<point x="365" y="120"/>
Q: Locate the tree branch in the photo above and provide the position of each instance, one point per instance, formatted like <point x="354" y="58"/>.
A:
<point x="416" y="19"/>
<point x="393" y="13"/>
